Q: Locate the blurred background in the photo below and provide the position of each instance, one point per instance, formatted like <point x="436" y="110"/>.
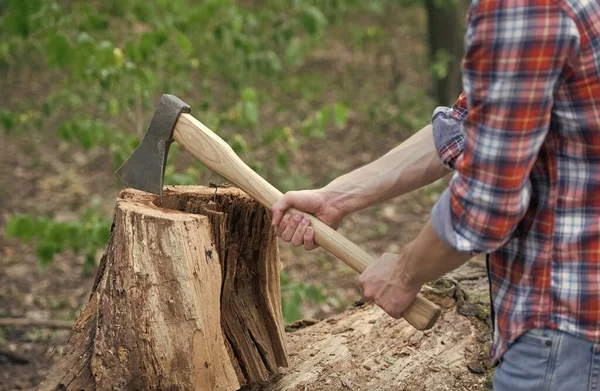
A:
<point x="303" y="90"/>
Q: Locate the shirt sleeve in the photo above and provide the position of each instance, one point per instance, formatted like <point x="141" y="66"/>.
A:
<point x="448" y="133"/>
<point x="515" y="53"/>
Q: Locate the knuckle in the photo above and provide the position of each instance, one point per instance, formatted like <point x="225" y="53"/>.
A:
<point x="394" y="313"/>
<point x="368" y="293"/>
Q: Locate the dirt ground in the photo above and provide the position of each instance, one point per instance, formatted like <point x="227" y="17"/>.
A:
<point x="40" y="175"/>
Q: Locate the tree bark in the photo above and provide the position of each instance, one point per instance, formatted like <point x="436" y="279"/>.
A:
<point x="186" y="297"/>
<point x="446" y="21"/>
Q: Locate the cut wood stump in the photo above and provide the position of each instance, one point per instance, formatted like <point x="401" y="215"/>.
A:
<point x="186" y="297"/>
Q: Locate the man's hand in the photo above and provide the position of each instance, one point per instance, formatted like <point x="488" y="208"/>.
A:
<point x="295" y="228"/>
<point x="385" y="282"/>
<point x="412" y="164"/>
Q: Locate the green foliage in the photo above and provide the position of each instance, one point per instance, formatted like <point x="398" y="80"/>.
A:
<point x="7" y="119"/>
<point x="294" y="294"/>
<point x="316" y="125"/>
<point x="84" y="236"/>
<point x="440" y="62"/>
<point x="234" y="62"/>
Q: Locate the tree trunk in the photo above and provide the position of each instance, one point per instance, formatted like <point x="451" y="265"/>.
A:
<point x="446" y="21"/>
<point x="186" y="298"/>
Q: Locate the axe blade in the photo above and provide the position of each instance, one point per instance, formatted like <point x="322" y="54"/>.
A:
<point x="145" y="168"/>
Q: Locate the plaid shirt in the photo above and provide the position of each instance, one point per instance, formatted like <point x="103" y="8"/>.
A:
<point x="524" y="140"/>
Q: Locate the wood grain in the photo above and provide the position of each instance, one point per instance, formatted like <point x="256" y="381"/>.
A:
<point x="187" y="297"/>
<point x="217" y="155"/>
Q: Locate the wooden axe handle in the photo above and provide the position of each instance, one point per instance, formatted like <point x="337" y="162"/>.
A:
<point x="217" y="155"/>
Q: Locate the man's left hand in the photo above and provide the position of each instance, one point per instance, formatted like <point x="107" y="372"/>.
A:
<point x="385" y="282"/>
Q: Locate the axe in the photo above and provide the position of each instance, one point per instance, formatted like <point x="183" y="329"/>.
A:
<point x="145" y="168"/>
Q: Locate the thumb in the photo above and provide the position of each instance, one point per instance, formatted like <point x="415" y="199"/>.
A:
<point x="281" y="206"/>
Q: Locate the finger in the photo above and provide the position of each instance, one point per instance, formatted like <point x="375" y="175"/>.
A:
<point x="282" y="225"/>
<point x="280" y="207"/>
<point x="298" y="237"/>
<point x="367" y="293"/>
<point x="392" y="311"/>
<point x="309" y="239"/>
<point x="288" y="232"/>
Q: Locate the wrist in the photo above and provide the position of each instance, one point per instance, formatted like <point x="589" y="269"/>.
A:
<point x="336" y="200"/>
<point x="409" y="274"/>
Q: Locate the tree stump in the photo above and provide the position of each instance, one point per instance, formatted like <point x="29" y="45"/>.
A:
<point x="186" y="297"/>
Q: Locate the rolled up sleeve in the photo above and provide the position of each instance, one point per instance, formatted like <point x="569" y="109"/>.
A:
<point x="514" y="57"/>
<point x="448" y="133"/>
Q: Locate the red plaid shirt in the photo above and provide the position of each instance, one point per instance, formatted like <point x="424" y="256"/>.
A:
<point x="524" y="139"/>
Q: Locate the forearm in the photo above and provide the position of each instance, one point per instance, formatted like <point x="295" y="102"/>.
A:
<point x="427" y="257"/>
<point x="409" y="166"/>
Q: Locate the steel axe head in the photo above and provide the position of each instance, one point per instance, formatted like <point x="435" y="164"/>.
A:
<point x="145" y="168"/>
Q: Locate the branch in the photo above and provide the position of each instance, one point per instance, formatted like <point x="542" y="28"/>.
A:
<point x="14" y="357"/>
<point x="25" y="322"/>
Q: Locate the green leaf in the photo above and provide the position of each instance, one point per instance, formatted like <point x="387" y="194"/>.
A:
<point x="84" y="136"/>
<point x="147" y="45"/>
<point x="250" y="112"/>
<point x="7" y="120"/>
<point x="20" y="14"/>
<point x="315" y="293"/>
<point x="238" y="144"/>
<point x="249" y="95"/>
<point x="58" y="50"/>
<point x="4" y="52"/>
<point x="65" y="131"/>
<point x="183" y="42"/>
<point x="313" y="20"/>
<point x="283" y="160"/>
<point x="20" y="226"/>
<point x="292" y="306"/>
<point x="293" y="52"/>
<point x="58" y="233"/>
<point x="45" y="253"/>
<point x="113" y="107"/>
<point x="340" y="115"/>
<point x="132" y="50"/>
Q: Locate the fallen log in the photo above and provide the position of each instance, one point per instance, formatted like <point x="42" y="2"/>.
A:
<point x="186" y="297"/>
<point x="365" y="349"/>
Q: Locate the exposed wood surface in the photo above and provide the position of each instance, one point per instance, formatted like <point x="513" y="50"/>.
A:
<point x="364" y="349"/>
<point x="186" y="298"/>
<point x="212" y="151"/>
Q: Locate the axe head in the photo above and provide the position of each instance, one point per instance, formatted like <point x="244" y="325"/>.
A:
<point x="145" y="168"/>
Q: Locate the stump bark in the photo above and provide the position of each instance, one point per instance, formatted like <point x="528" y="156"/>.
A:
<point x="186" y="297"/>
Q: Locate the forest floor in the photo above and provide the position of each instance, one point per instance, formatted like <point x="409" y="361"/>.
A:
<point x="43" y="176"/>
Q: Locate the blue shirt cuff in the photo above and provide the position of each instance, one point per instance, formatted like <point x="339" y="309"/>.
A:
<point x="441" y="220"/>
<point x="448" y="136"/>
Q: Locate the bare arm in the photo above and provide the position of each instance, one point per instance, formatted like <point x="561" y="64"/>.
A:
<point x="411" y="165"/>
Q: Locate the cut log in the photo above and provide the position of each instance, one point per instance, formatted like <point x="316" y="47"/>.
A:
<point x="364" y="349"/>
<point x="186" y="297"/>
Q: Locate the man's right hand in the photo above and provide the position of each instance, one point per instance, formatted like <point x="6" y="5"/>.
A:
<point x="295" y="228"/>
